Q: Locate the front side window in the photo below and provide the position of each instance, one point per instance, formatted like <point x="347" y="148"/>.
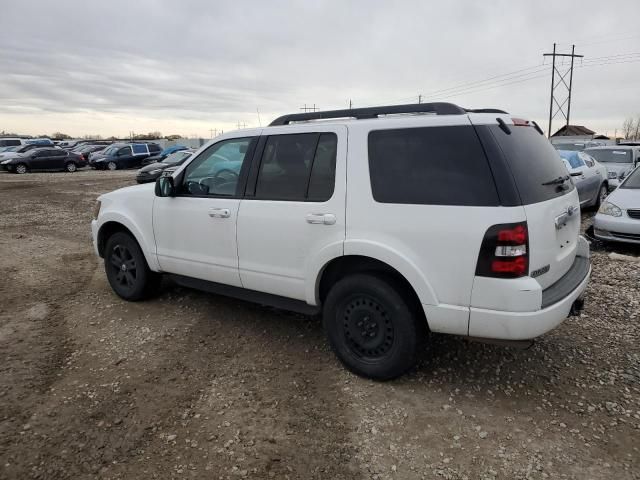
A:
<point x="298" y="167"/>
<point x="430" y="166"/>
<point x="216" y="171"/>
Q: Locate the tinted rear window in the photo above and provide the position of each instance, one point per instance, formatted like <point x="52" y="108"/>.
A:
<point x="432" y="166"/>
<point x="611" y="155"/>
<point x="533" y="161"/>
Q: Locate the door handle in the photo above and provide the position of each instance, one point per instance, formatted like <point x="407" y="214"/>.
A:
<point x="321" y="218"/>
<point x="219" y="212"/>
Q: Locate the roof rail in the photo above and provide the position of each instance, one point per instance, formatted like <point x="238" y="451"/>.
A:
<point x="484" y="110"/>
<point x="439" y="108"/>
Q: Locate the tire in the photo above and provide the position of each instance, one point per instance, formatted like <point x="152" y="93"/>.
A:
<point x="21" y="168"/>
<point x="112" y="166"/>
<point x="71" y="167"/>
<point x="602" y="194"/>
<point x="373" y="329"/>
<point x="127" y="270"/>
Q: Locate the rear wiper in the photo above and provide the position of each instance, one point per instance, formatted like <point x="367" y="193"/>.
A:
<point x="559" y="180"/>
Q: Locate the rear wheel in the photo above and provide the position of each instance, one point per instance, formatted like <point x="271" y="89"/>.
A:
<point x="372" y="327"/>
<point x="71" y="167"/>
<point x="112" y="166"/>
<point x="127" y="270"/>
<point x="21" y="168"/>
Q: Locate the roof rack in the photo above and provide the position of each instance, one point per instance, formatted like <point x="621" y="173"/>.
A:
<point x="484" y="110"/>
<point x="439" y="108"/>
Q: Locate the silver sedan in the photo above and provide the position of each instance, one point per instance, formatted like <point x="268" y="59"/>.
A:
<point x="618" y="218"/>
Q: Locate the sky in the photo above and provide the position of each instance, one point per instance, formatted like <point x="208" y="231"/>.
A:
<point x="191" y="66"/>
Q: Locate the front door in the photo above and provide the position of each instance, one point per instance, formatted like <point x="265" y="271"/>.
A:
<point x="195" y="231"/>
<point x="293" y="212"/>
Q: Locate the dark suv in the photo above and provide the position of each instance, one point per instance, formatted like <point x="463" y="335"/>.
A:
<point x="123" y="155"/>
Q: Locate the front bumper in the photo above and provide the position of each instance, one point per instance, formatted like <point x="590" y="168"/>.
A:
<point x="554" y="304"/>
<point x="94" y="236"/>
<point x="617" y="229"/>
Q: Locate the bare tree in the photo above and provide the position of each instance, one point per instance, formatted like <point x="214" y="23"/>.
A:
<point x="628" y="128"/>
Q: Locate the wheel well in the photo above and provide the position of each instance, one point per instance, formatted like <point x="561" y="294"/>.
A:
<point x="340" y="267"/>
<point x="107" y="230"/>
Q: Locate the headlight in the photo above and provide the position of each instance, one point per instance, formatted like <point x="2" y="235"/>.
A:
<point x="154" y="171"/>
<point x="608" y="208"/>
<point x="612" y="175"/>
<point x="96" y="209"/>
<point x="622" y="175"/>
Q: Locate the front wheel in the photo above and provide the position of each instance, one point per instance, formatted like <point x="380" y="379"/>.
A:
<point x="373" y="329"/>
<point x="602" y="195"/>
<point x="127" y="270"/>
<point x="112" y="166"/>
<point x="21" y="168"/>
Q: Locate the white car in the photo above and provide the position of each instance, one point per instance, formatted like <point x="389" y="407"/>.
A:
<point x="391" y="221"/>
<point x="589" y="176"/>
<point x="619" y="160"/>
<point x="618" y="219"/>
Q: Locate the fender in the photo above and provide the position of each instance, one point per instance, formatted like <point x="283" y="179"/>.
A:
<point x="374" y="250"/>
<point x="146" y="241"/>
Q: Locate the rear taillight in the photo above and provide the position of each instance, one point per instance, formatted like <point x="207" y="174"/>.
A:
<point x="505" y="251"/>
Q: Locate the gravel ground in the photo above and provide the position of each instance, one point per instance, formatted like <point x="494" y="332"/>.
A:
<point x="190" y="385"/>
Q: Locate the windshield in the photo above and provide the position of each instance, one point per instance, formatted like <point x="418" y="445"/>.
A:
<point x="111" y="151"/>
<point x="576" y="147"/>
<point x="8" y="149"/>
<point x="611" y="155"/>
<point x="571" y="157"/>
<point x="176" y="157"/>
<point x="633" y="180"/>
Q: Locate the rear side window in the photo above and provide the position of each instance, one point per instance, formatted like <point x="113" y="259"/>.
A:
<point x="533" y="162"/>
<point x="298" y="167"/>
<point x="430" y="166"/>
<point x="10" y="143"/>
<point x="139" y="148"/>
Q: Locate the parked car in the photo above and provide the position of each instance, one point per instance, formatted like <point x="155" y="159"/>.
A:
<point x="53" y="159"/>
<point x="13" y="142"/>
<point x="149" y="173"/>
<point x="86" y="150"/>
<point x="390" y="225"/>
<point x="574" y="145"/>
<point x="18" y="150"/>
<point x="123" y="155"/>
<point x="164" y="154"/>
<point x="588" y="175"/>
<point x="619" y="160"/>
<point x="618" y="218"/>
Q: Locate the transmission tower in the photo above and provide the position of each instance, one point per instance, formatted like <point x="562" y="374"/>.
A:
<point x="563" y="108"/>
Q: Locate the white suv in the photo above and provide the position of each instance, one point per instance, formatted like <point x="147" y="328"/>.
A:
<point x="391" y="221"/>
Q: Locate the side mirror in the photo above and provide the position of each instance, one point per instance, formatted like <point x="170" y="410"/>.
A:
<point x="165" y="187"/>
<point x="577" y="174"/>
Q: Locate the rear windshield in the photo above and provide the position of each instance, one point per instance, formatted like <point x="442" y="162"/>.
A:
<point x="633" y="180"/>
<point x="533" y="162"/>
<point x="575" y="147"/>
<point x="611" y="155"/>
<point x="430" y="166"/>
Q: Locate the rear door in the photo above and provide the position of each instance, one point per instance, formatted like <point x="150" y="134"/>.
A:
<point x="549" y="198"/>
<point x="592" y="177"/>
<point x="57" y="159"/>
<point x="293" y="211"/>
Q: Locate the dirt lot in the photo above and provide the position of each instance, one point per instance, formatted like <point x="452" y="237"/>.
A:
<point x="191" y="385"/>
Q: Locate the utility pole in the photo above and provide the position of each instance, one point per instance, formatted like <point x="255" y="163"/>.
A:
<point x="561" y="109"/>
<point x="350" y="104"/>
<point x="241" y="125"/>
<point x="420" y="98"/>
<point x="309" y="109"/>
<point x="213" y="132"/>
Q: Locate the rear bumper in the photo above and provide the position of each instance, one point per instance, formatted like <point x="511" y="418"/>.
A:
<point x="553" y="305"/>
